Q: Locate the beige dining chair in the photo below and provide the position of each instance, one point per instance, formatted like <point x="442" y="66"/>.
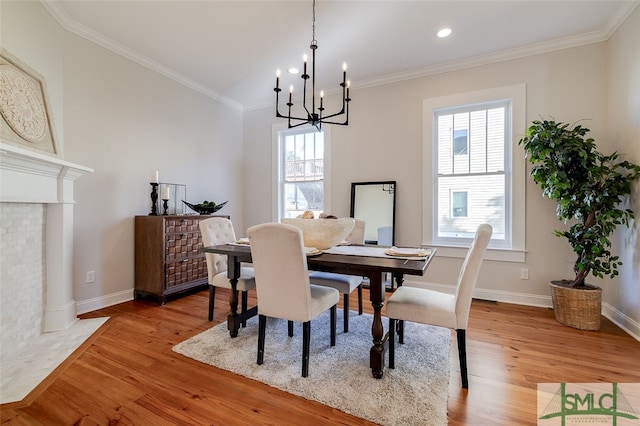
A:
<point x="283" y="287"/>
<point x="345" y="284"/>
<point x="438" y="308"/>
<point x="219" y="230"/>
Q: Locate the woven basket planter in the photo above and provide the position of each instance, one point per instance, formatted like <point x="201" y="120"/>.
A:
<point x="576" y="307"/>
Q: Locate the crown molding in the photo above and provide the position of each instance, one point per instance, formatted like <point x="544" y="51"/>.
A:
<point x="504" y="55"/>
<point x="625" y="10"/>
<point x="69" y="24"/>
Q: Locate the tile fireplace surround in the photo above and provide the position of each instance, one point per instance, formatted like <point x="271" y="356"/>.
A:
<point x="36" y="196"/>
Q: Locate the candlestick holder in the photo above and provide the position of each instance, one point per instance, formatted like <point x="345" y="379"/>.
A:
<point x="165" y="206"/>
<point x="154" y="199"/>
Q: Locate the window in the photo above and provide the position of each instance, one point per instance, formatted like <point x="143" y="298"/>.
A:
<point x="459" y="204"/>
<point x="471" y="176"/>
<point x="470" y="144"/>
<point x="460" y="141"/>
<point x="301" y="172"/>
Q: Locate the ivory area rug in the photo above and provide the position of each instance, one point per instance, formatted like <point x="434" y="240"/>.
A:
<point x="414" y="393"/>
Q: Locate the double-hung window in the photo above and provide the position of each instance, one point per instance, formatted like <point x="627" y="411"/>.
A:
<point x="471" y="172"/>
<point x="301" y="172"/>
<point x="471" y="176"/>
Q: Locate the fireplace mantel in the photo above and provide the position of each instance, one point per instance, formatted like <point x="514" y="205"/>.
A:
<point x="28" y="176"/>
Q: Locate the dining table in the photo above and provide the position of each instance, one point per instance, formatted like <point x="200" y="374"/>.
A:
<point x="368" y="261"/>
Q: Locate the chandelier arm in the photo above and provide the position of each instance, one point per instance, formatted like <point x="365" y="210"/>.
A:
<point x="327" y="121"/>
<point x="344" y="123"/>
<point x="343" y="111"/>
<point x="291" y="117"/>
<point x="305" y="121"/>
<point x="346" y="118"/>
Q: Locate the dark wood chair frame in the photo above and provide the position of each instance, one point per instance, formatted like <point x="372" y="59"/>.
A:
<point x="306" y="338"/>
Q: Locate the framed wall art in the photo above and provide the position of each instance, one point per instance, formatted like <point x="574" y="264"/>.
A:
<point x="25" y="118"/>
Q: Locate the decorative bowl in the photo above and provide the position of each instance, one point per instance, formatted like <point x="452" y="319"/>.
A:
<point x="205" y="209"/>
<point x="322" y="233"/>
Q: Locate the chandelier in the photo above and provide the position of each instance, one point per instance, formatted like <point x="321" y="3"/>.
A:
<point x="314" y="117"/>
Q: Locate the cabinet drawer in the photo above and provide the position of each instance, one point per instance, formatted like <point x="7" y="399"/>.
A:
<point x="179" y="224"/>
<point x="178" y="246"/>
<point x="185" y="271"/>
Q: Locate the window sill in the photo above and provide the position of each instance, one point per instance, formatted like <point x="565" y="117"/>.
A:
<point x="495" y="254"/>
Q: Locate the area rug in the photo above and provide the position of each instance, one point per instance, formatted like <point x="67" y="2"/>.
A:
<point x="414" y="393"/>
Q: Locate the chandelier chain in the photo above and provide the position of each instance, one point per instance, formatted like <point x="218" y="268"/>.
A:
<point x="313" y="25"/>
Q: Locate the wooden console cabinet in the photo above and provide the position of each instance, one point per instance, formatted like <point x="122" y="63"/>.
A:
<point x="168" y="259"/>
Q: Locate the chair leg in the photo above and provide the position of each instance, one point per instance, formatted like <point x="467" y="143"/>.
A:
<point x="212" y="298"/>
<point x="334" y="316"/>
<point x="290" y="325"/>
<point x="360" y="299"/>
<point x="462" y="354"/>
<point x="345" y="309"/>
<point x="306" y="341"/>
<point x="262" y="325"/>
<point x="401" y="332"/>
<point x="245" y="297"/>
<point x="392" y="343"/>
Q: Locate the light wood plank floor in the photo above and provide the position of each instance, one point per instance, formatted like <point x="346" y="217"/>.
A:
<point x="127" y="373"/>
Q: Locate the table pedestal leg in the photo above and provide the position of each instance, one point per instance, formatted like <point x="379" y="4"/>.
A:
<point x="376" y="354"/>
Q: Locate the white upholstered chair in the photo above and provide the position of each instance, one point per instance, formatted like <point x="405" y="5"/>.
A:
<point x="283" y="287"/>
<point x="438" y="308"/>
<point x="219" y="230"/>
<point x="345" y="284"/>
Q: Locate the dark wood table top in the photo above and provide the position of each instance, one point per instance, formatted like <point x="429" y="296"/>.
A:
<point x="342" y="263"/>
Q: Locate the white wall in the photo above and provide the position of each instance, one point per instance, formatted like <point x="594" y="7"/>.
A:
<point x="28" y="32"/>
<point x="124" y="121"/>
<point x="623" y="107"/>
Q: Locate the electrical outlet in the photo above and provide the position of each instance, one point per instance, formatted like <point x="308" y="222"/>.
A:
<point x="91" y="276"/>
<point x="524" y="274"/>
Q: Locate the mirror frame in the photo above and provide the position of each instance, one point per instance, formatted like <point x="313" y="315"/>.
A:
<point x="393" y="188"/>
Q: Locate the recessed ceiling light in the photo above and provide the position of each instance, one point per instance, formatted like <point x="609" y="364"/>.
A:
<point x="293" y="70"/>
<point x="445" y="32"/>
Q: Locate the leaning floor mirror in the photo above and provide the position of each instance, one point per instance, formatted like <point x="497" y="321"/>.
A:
<point x="375" y="203"/>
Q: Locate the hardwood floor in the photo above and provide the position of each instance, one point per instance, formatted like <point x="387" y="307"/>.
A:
<point x="127" y="373"/>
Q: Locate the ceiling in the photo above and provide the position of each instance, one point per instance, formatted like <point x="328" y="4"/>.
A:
<point x="230" y="50"/>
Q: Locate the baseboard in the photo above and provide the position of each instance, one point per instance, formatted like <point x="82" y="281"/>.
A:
<point x="105" y="301"/>
<point x="492" y="295"/>
<point x="629" y="325"/>
<point x="620" y="319"/>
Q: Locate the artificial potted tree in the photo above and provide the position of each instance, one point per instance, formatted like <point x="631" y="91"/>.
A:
<point x="590" y="189"/>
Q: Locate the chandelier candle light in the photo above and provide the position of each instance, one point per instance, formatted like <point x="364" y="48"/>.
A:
<point x="313" y="117"/>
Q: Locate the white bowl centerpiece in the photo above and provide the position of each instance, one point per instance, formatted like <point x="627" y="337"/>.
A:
<point x="322" y="233"/>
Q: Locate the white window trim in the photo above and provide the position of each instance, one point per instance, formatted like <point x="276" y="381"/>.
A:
<point x="277" y="130"/>
<point x="517" y="94"/>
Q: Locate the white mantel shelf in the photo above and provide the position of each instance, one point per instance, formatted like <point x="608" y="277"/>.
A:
<point x="28" y="176"/>
<point x="31" y="177"/>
